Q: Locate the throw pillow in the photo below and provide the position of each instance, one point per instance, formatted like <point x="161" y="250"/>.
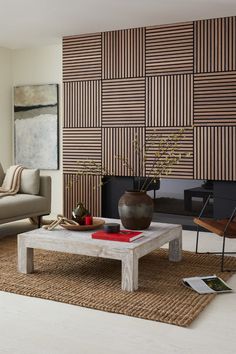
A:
<point x="2" y="175"/>
<point x="30" y="180"/>
<point x="11" y="181"/>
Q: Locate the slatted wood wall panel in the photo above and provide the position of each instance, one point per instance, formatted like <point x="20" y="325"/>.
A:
<point x="118" y="142"/>
<point x="85" y="189"/>
<point x="169" y="101"/>
<point x="215" y="153"/>
<point x="169" y="49"/>
<point x="122" y="83"/>
<point x="215" y="45"/>
<point x="123" y="53"/>
<point x="183" y="169"/>
<point x="82" y="57"/>
<point x="215" y="98"/>
<point x="82" y="104"/>
<point x="82" y="143"/>
<point x="123" y="102"/>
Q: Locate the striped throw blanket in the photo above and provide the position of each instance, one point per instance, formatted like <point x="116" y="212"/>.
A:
<point x="11" y="182"/>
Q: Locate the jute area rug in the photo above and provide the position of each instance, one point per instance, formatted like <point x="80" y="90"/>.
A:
<point x="96" y="283"/>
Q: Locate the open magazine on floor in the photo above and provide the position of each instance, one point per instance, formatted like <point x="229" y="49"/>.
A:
<point x="207" y="285"/>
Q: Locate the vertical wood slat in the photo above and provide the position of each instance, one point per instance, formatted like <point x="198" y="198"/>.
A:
<point x="183" y="169"/>
<point x="82" y="57"/>
<point x="169" y="101"/>
<point x="123" y="53"/>
<point x="169" y="49"/>
<point x="215" y="153"/>
<point x="215" y="98"/>
<point x="80" y="143"/>
<point x="85" y="189"/>
<point x="82" y="104"/>
<point x="215" y="45"/>
<point x="123" y="102"/>
<point x="121" y="142"/>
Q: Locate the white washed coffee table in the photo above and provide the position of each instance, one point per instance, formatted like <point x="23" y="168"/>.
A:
<point x="81" y="243"/>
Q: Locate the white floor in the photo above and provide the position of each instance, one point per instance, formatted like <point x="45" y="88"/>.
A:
<point x="34" y="326"/>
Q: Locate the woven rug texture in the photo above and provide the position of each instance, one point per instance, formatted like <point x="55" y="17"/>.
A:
<point x="96" y="282"/>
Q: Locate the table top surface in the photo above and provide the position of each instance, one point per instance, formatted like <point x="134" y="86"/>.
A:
<point x="156" y="230"/>
<point x="199" y="189"/>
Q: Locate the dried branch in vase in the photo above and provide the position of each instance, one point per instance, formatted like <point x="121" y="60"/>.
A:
<point x="166" y="155"/>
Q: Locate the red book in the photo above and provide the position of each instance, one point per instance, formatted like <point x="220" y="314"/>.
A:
<point x="122" y="236"/>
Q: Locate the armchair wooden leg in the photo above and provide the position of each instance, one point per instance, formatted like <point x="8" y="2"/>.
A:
<point x="196" y="251"/>
<point x="223" y="254"/>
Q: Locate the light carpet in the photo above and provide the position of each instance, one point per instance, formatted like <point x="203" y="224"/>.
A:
<point x="96" y="283"/>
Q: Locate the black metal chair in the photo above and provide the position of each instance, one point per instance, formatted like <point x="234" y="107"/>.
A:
<point x="225" y="228"/>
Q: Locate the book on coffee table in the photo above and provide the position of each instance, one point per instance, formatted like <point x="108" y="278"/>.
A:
<point x="122" y="236"/>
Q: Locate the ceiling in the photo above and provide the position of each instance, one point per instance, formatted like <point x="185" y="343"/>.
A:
<point x="29" y="23"/>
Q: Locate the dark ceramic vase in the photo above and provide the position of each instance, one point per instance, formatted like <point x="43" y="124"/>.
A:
<point x="135" y="210"/>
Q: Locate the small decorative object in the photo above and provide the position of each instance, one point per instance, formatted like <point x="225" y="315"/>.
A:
<point x="79" y="213"/>
<point x="73" y="225"/>
<point x="88" y="220"/>
<point x="59" y="221"/>
<point x="111" y="228"/>
<point x="208" y="184"/>
<point x="135" y="210"/>
<point x="97" y="223"/>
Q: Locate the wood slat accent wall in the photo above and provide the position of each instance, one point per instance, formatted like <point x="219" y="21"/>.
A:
<point x="123" y="53"/>
<point x="82" y="57"/>
<point x="169" y="101"/>
<point x="169" y="49"/>
<point x="82" y="104"/>
<point x="215" y="98"/>
<point x="122" y="85"/>
<point x="215" y="45"/>
<point x="80" y="143"/>
<point x="118" y="142"/>
<point x="215" y="153"/>
<point x="184" y="169"/>
<point x="85" y="189"/>
<point x="123" y="102"/>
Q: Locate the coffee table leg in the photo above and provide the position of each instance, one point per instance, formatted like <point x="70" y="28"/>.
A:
<point x="25" y="258"/>
<point x="175" y="249"/>
<point x="129" y="281"/>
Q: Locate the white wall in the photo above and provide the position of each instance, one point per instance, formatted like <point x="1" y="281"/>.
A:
<point x="43" y="65"/>
<point x="5" y="107"/>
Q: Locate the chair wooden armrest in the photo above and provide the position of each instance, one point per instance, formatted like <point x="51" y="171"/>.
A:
<point x="218" y="226"/>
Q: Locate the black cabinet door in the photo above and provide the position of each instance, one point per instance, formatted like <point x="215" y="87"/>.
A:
<point x="224" y="198"/>
<point x="112" y="190"/>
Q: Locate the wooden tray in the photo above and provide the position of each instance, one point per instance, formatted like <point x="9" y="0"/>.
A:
<point x="96" y="224"/>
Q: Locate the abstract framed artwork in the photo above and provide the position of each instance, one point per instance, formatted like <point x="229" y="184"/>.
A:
<point x="36" y="126"/>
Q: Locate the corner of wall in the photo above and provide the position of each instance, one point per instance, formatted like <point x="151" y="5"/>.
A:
<point x="6" y="107"/>
<point x="43" y="65"/>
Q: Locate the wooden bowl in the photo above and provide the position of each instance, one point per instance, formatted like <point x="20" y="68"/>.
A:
<point x="96" y="224"/>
